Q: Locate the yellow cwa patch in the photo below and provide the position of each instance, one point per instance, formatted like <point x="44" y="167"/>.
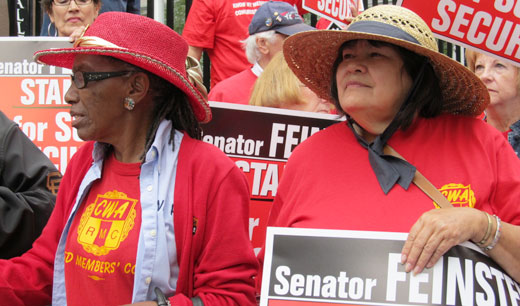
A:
<point x="458" y="194"/>
<point x="106" y="222"/>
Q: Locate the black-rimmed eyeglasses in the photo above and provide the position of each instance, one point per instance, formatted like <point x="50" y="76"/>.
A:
<point x="81" y="78"/>
<point x="67" y="2"/>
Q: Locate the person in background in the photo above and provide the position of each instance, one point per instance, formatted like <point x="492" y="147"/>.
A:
<point x="401" y="96"/>
<point x="131" y="6"/>
<point x="502" y="80"/>
<point x="279" y="87"/>
<point x="28" y="186"/>
<point x="218" y="27"/>
<point x="69" y="15"/>
<point x="146" y="212"/>
<point x="273" y="22"/>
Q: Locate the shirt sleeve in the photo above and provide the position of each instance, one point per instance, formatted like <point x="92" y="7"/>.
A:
<point x="507" y="186"/>
<point x="29" y="183"/>
<point x="199" y="30"/>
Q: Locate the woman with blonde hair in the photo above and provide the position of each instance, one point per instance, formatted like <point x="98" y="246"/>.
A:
<point x="278" y="87"/>
<point x="502" y="80"/>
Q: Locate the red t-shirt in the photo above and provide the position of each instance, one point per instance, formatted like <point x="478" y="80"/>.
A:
<point x="236" y="89"/>
<point x="102" y="243"/>
<point x="466" y="159"/>
<point x="218" y="26"/>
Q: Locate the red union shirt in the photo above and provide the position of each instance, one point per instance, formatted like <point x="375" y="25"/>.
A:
<point x="218" y="26"/>
<point x="102" y="243"/>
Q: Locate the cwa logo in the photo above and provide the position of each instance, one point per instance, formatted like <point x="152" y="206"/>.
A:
<point x="458" y="194"/>
<point x="106" y="222"/>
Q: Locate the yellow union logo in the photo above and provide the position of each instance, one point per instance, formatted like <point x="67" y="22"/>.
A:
<point x="106" y="222"/>
<point x="458" y="194"/>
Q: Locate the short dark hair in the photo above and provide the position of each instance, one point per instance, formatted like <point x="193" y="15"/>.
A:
<point x="47" y="5"/>
<point x="426" y="99"/>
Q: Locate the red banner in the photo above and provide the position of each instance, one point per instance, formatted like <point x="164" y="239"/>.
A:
<point x="489" y="26"/>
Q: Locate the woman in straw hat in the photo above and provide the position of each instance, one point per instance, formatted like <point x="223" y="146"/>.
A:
<point x="502" y="80"/>
<point x="385" y="74"/>
<point x="146" y="212"/>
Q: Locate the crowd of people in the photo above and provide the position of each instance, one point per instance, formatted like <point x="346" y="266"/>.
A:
<point x="148" y="214"/>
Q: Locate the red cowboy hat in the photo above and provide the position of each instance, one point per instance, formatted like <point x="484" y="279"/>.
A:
<point x="140" y="41"/>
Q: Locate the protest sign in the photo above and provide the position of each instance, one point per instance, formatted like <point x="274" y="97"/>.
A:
<point x="334" y="10"/>
<point x="490" y="26"/>
<point x="260" y="140"/>
<point x="33" y="96"/>
<point x="333" y="267"/>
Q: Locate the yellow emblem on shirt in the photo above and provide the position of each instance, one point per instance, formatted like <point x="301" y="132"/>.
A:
<point x="106" y="222"/>
<point x="458" y="194"/>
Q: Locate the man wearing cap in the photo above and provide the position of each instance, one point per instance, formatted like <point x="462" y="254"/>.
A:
<point x="271" y="25"/>
<point x="217" y="27"/>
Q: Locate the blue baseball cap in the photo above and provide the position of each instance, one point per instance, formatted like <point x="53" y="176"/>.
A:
<point x="278" y="16"/>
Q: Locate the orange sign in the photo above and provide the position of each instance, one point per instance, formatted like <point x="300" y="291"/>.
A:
<point x="33" y="97"/>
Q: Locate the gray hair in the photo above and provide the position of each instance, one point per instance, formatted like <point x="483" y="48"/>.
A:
<point x="249" y="45"/>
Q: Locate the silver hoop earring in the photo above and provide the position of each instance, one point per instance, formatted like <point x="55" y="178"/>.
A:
<point x="49" y="30"/>
<point x="129" y="103"/>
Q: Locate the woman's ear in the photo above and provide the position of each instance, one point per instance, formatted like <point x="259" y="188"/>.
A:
<point x="51" y="17"/>
<point x="139" y="83"/>
<point x="97" y="7"/>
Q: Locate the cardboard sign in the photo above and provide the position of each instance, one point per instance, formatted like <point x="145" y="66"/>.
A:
<point x="490" y="26"/>
<point x="33" y="96"/>
<point x="332" y="267"/>
<point x="260" y="140"/>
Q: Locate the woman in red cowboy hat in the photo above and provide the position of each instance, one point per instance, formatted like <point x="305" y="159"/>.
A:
<point x="146" y="212"/>
<point x="397" y="91"/>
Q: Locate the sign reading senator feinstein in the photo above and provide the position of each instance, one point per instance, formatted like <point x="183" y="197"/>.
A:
<point x="332" y="267"/>
<point x="489" y="25"/>
<point x="260" y="140"/>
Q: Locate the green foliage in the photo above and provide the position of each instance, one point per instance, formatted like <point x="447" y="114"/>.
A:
<point x="179" y="11"/>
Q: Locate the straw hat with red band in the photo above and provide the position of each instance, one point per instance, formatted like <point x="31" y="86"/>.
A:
<point x="311" y="56"/>
<point x="142" y="42"/>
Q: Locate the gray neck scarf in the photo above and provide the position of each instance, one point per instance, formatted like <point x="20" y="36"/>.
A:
<point x="389" y="169"/>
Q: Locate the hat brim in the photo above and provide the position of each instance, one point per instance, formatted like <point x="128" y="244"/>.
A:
<point x="293" y="29"/>
<point x="64" y="57"/>
<point x="311" y="56"/>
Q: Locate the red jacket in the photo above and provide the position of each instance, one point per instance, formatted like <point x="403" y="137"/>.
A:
<point x="216" y="259"/>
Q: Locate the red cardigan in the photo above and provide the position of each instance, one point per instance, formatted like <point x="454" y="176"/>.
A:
<point x="216" y="263"/>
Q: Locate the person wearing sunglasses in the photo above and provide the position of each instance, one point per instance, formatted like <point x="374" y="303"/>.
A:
<point x="69" y="15"/>
<point x="146" y="213"/>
